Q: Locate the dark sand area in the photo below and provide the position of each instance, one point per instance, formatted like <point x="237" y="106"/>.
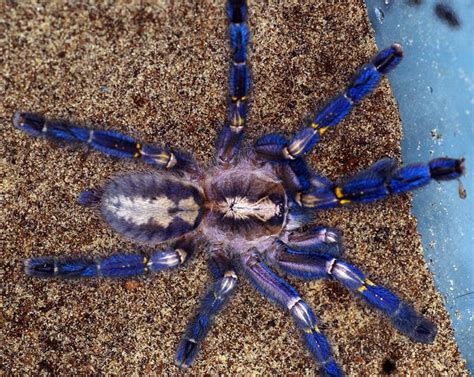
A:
<point x="159" y="73"/>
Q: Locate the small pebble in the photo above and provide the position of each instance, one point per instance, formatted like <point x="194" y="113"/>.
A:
<point x="131" y="285"/>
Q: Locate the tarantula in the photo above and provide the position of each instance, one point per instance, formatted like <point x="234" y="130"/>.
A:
<point x="248" y="208"/>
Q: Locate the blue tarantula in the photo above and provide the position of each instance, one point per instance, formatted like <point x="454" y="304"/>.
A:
<point x="247" y="208"/>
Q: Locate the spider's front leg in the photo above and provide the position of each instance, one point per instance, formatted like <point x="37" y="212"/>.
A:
<point x="363" y="83"/>
<point x="230" y="137"/>
<point x="211" y="304"/>
<point x="114" y="266"/>
<point x="108" y="142"/>
<point x="320" y="266"/>
<point x="279" y="291"/>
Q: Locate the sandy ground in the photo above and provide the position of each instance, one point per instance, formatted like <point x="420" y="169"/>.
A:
<point x="159" y="73"/>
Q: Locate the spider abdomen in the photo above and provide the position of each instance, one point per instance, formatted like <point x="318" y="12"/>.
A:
<point x="151" y="208"/>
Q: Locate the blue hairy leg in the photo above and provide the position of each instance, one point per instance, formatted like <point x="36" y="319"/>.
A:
<point x="363" y="83"/>
<point x="318" y="239"/>
<point x="403" y="317"/>
<point x="114" y="266"/>
<point x="279" y="291"/>
<point x="309" y="265"/>
<point x="211" y="304"/>
<point x="108" y="142"/>
<point x="295" y="174"/>
<point x="230" y="136"/>
<point x="380" y="180"/>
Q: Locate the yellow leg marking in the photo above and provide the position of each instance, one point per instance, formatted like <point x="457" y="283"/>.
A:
<point x="308" y="200"/>
<point x="363" y="287"/>
<point x="314" y="125"/>
<point x="296" y="147"/>
<point x="369" y="282"/>
<point x="315" y="328"/>
<point x="163" y="157"/>
<point x="138" y="152"/>
<point x="237" y="121"/>
<point x="237" y="99"/>
<point x="322" y="130"/>
<point x="340" y="195"/>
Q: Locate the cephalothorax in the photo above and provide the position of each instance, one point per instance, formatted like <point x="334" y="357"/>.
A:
<point x="247" y="208"/>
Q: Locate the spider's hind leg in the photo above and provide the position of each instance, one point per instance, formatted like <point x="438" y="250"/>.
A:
<point x="279" y="291"/>
<point x="211" y="304"/>
<point x="403" y="317"/>
<point x="319" y="266"/>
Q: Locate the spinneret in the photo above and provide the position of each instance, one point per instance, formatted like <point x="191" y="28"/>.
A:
<point x="248" y="208"/>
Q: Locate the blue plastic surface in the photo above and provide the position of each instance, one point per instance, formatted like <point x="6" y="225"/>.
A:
<point x="434" y="87"/>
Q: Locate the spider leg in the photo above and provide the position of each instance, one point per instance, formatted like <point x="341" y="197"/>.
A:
<point x="114" y="266"/>
<point x="295" y="175"/>
<point x="318" y="239"/>
<point x="230" y="137"/>
<point x="279" y="291"/>
<point x="211" y="304"/>
<point x="362" y="84"/>
<point x="380" y="180"/>
<point x="316" y="266"/>
<point x="108" y="142"/>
